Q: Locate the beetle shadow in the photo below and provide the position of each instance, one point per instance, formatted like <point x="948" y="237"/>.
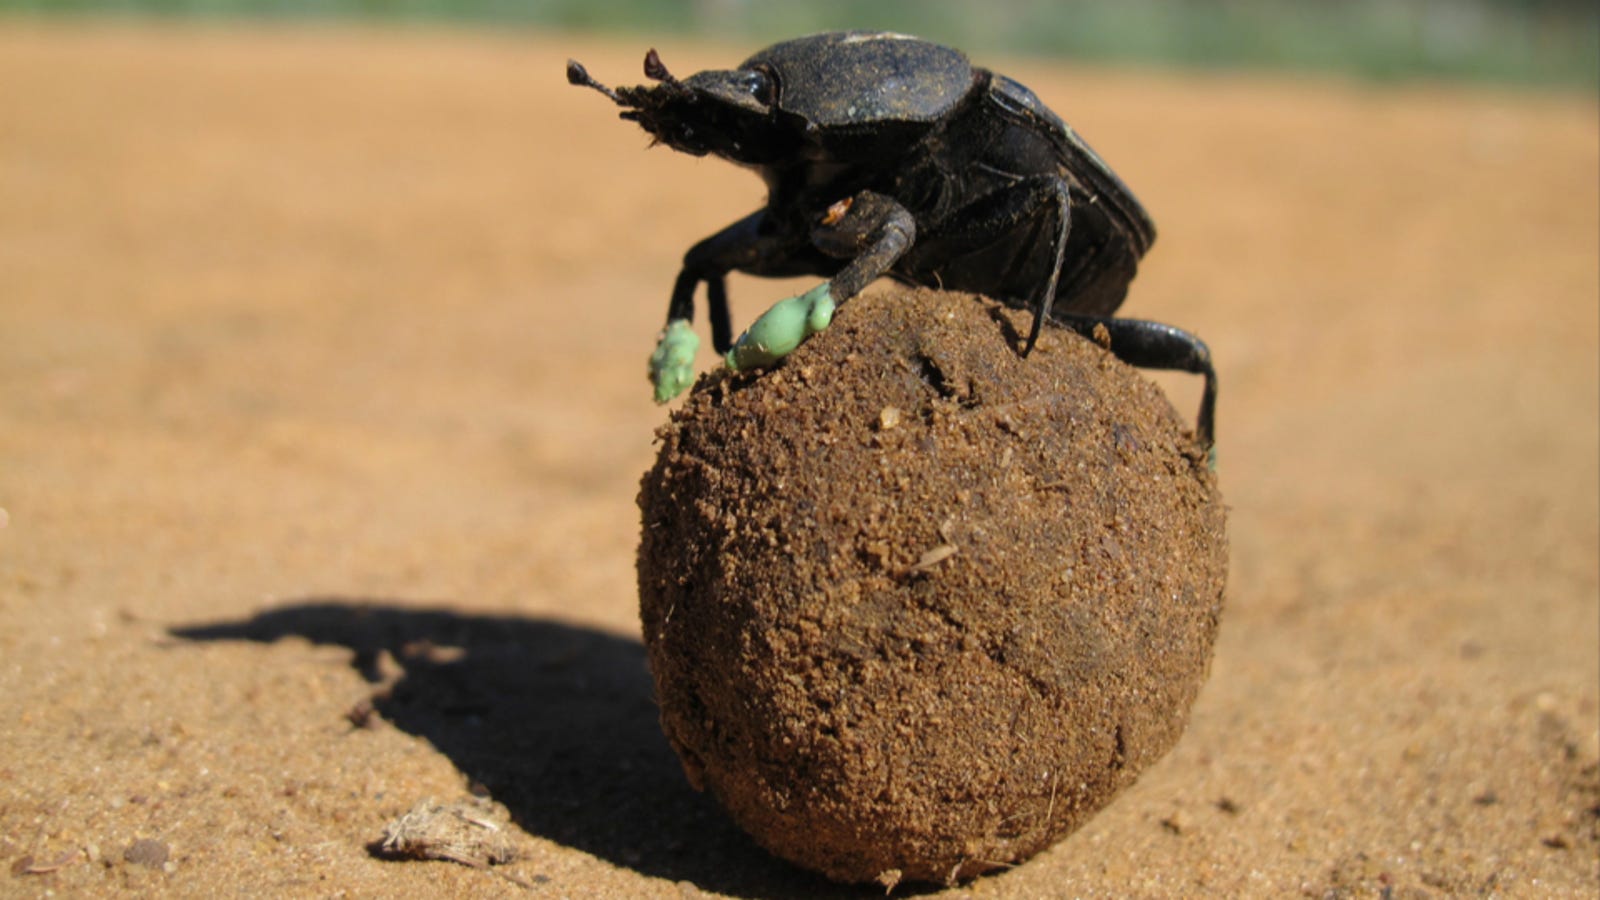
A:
<point x="557" y="722"/>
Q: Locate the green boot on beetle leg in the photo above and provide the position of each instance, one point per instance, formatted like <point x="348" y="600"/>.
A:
<point x="782" y="328"/>
<point x="672" y="363"/>
<point x="770" y="338"/>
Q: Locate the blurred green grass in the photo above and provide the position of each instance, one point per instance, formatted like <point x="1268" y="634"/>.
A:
<point x="1535" y="42"/>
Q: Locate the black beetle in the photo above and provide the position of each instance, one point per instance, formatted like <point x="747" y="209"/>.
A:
<point x="888" y="155"/>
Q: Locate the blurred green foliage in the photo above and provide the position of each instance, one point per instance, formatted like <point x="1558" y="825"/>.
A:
<point x="1521" y="41"/>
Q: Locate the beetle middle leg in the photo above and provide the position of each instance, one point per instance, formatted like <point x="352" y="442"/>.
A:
<point x="1038" y="201"/>
<point x="751" y="245"/>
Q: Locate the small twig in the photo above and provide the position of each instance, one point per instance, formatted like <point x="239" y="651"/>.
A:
<point x="932" y="558"/>
<point x="1050" y="810"/>
<point x="61" y="862"/>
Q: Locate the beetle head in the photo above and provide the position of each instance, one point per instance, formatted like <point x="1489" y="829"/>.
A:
<point x="729" y="113"/>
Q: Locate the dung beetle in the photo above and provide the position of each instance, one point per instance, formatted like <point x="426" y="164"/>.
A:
<point x="887" y="155"/>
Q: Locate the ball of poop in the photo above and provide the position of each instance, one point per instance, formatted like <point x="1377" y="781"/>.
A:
<point x="917" y="607"/>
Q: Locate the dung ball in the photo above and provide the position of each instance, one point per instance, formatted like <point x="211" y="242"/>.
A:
<point x="917" y="607"/>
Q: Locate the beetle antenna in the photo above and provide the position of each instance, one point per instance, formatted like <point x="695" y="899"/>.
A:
<point x="578" y="75"/>
<point x="656" y="70"/>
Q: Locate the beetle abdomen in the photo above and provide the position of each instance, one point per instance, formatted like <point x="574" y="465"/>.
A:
<point x="1081" y="163"/>
<point x="1111" y="231"/>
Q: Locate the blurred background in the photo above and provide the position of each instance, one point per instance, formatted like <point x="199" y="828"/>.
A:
<point x="1549" y="42"/>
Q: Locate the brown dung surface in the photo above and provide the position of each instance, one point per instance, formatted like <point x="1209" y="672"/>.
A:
<point x="322" y="414"/>
<point x="917" y="607"/>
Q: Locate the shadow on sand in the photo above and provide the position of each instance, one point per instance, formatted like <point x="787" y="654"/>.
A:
<point x="555" y="721"/>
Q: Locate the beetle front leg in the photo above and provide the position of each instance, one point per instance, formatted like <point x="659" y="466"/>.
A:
<point x="743" y="245"/>
<point x="871" y="230"/>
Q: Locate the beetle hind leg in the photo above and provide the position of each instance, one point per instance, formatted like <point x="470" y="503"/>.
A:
<point x="1153" y="345"/>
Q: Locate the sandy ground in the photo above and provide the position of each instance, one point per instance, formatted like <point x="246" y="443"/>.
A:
<point x="322" y="414"/>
